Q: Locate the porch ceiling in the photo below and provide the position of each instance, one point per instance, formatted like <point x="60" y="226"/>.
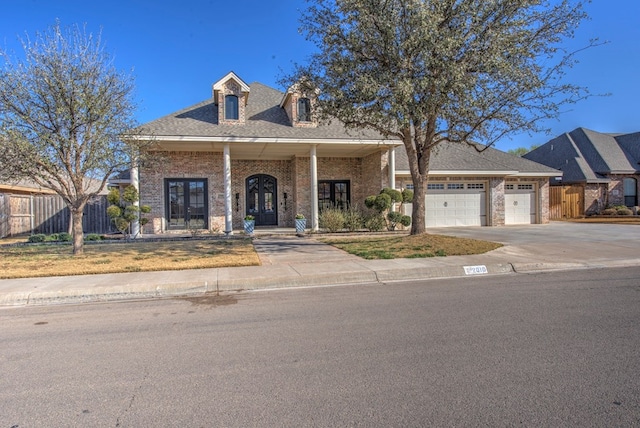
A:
<point x="279" y="149"/>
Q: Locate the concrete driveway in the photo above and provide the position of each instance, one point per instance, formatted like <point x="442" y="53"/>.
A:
<point x="546" y="233"/>
<point x="558" y="242"/>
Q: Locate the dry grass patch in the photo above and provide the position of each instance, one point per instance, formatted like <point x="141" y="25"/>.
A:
<point x="58" y="260"/>
<point x="418" y="246"/>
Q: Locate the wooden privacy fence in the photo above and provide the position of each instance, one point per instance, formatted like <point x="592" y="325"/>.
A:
<point x="566" y="202"/>
<point x="26" y="214"/>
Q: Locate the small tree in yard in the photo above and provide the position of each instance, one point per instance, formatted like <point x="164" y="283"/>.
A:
<point x="123" y="211"/>
<point x="428" y="71"/>
<point x="63" y="111"/>
<point x="383" y="204"/>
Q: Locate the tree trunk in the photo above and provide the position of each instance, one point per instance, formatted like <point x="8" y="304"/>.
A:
<point x="78" y="232"/>
<point x="418" y="220"/>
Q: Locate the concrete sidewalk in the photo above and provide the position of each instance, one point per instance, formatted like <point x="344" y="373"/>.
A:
<point x="290" y="261"/>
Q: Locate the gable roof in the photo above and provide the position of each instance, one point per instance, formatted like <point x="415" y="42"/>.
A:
<point x="589" y="156"/>
<point x="462" y="159"/>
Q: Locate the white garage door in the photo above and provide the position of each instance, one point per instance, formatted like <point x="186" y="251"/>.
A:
<point x="456" y="204"/>
<point x="520" y="204"/>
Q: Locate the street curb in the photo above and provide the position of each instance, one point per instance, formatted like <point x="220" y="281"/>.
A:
<point x="240" y="279"/>
<point x="228" y="282"/>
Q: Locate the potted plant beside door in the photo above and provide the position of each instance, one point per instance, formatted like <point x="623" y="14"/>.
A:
<point x="301" y="224"/>
<point x="249" y="224"/>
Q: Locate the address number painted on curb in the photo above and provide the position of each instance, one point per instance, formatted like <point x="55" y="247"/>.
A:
<point x="475" y="270"/>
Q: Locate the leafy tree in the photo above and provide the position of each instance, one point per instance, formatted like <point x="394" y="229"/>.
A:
<point x="520" y="151"/>
<point x="426" y="71"/>
<point x="63" y="110"/>
<point x="123" y="210"/>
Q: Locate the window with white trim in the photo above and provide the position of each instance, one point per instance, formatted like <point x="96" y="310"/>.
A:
<point x="455" y="186"/>
<point x="475" y="186"/>
<point x="509" y="186"/>
<point x="435" y="186"/>
<point x="525" y="186"/>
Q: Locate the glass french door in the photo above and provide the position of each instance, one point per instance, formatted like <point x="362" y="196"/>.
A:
<point x="262" y="203"/>
<point x="333" y="193"/>
<point x="186" y="204"/>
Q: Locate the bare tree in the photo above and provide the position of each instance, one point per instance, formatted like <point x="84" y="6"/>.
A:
<point x="426" y="71"/>
<point x="63" y="110"/>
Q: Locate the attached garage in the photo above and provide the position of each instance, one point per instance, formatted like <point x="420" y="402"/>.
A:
<point x="520" y="203"/>
<point x="456" y="204"/>
<point x="475" y="185"/>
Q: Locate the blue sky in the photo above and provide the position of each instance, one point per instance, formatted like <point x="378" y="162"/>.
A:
<point x="177" y="49"/>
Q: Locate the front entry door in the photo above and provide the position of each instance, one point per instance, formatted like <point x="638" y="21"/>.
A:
<point x="262" y="199"/>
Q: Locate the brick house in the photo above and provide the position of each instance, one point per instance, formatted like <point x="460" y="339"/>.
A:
<point x="604" y="167"/>
<point x="255" y="150"/>
<point x="251" y="149"/>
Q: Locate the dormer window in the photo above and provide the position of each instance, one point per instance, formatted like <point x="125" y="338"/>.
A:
<point x="299" y="101"/>
<point x="231" y="110"/>
<point x="304" y="110"/>
<point x="231" y="96"/>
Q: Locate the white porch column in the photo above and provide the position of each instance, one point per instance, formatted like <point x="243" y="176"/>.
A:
<point x="135" y="182"/>
<point x="314" y="189"/>
<point x="392" y="168"/>
<point x="228" y="222"/>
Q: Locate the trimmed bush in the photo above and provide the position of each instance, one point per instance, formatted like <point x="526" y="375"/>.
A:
<point x="396" y="218"/>
<point x="609" y="211"/>
<point x="331" y="219"/>
<point x="64" y="237"/>
<point x="624" y="211"/>
<point x="39" y="237"/>
<point x="407" y="196"/>
<point x="93" y="237"/>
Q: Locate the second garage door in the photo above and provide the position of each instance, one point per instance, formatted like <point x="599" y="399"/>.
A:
<point x="520" y="204"/>
<point x="456" y="204"/>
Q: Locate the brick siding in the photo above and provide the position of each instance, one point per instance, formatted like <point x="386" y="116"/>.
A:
<point x="365" y="176"/>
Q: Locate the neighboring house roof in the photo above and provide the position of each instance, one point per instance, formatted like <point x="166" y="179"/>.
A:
<point x="586" y="156"/>
<point x="121" y="177"/>
<point x="23" y="186"/>
<point x="26" y="186"/>
<point x="462" y="159"/>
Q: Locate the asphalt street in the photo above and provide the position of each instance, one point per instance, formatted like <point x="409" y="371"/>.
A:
<point x="543" y="349"/>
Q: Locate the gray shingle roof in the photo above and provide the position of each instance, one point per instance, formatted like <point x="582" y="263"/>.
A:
<point x="462" y="157"/>
<point x="264" y="118"/>
<point x="588" y="156"/>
